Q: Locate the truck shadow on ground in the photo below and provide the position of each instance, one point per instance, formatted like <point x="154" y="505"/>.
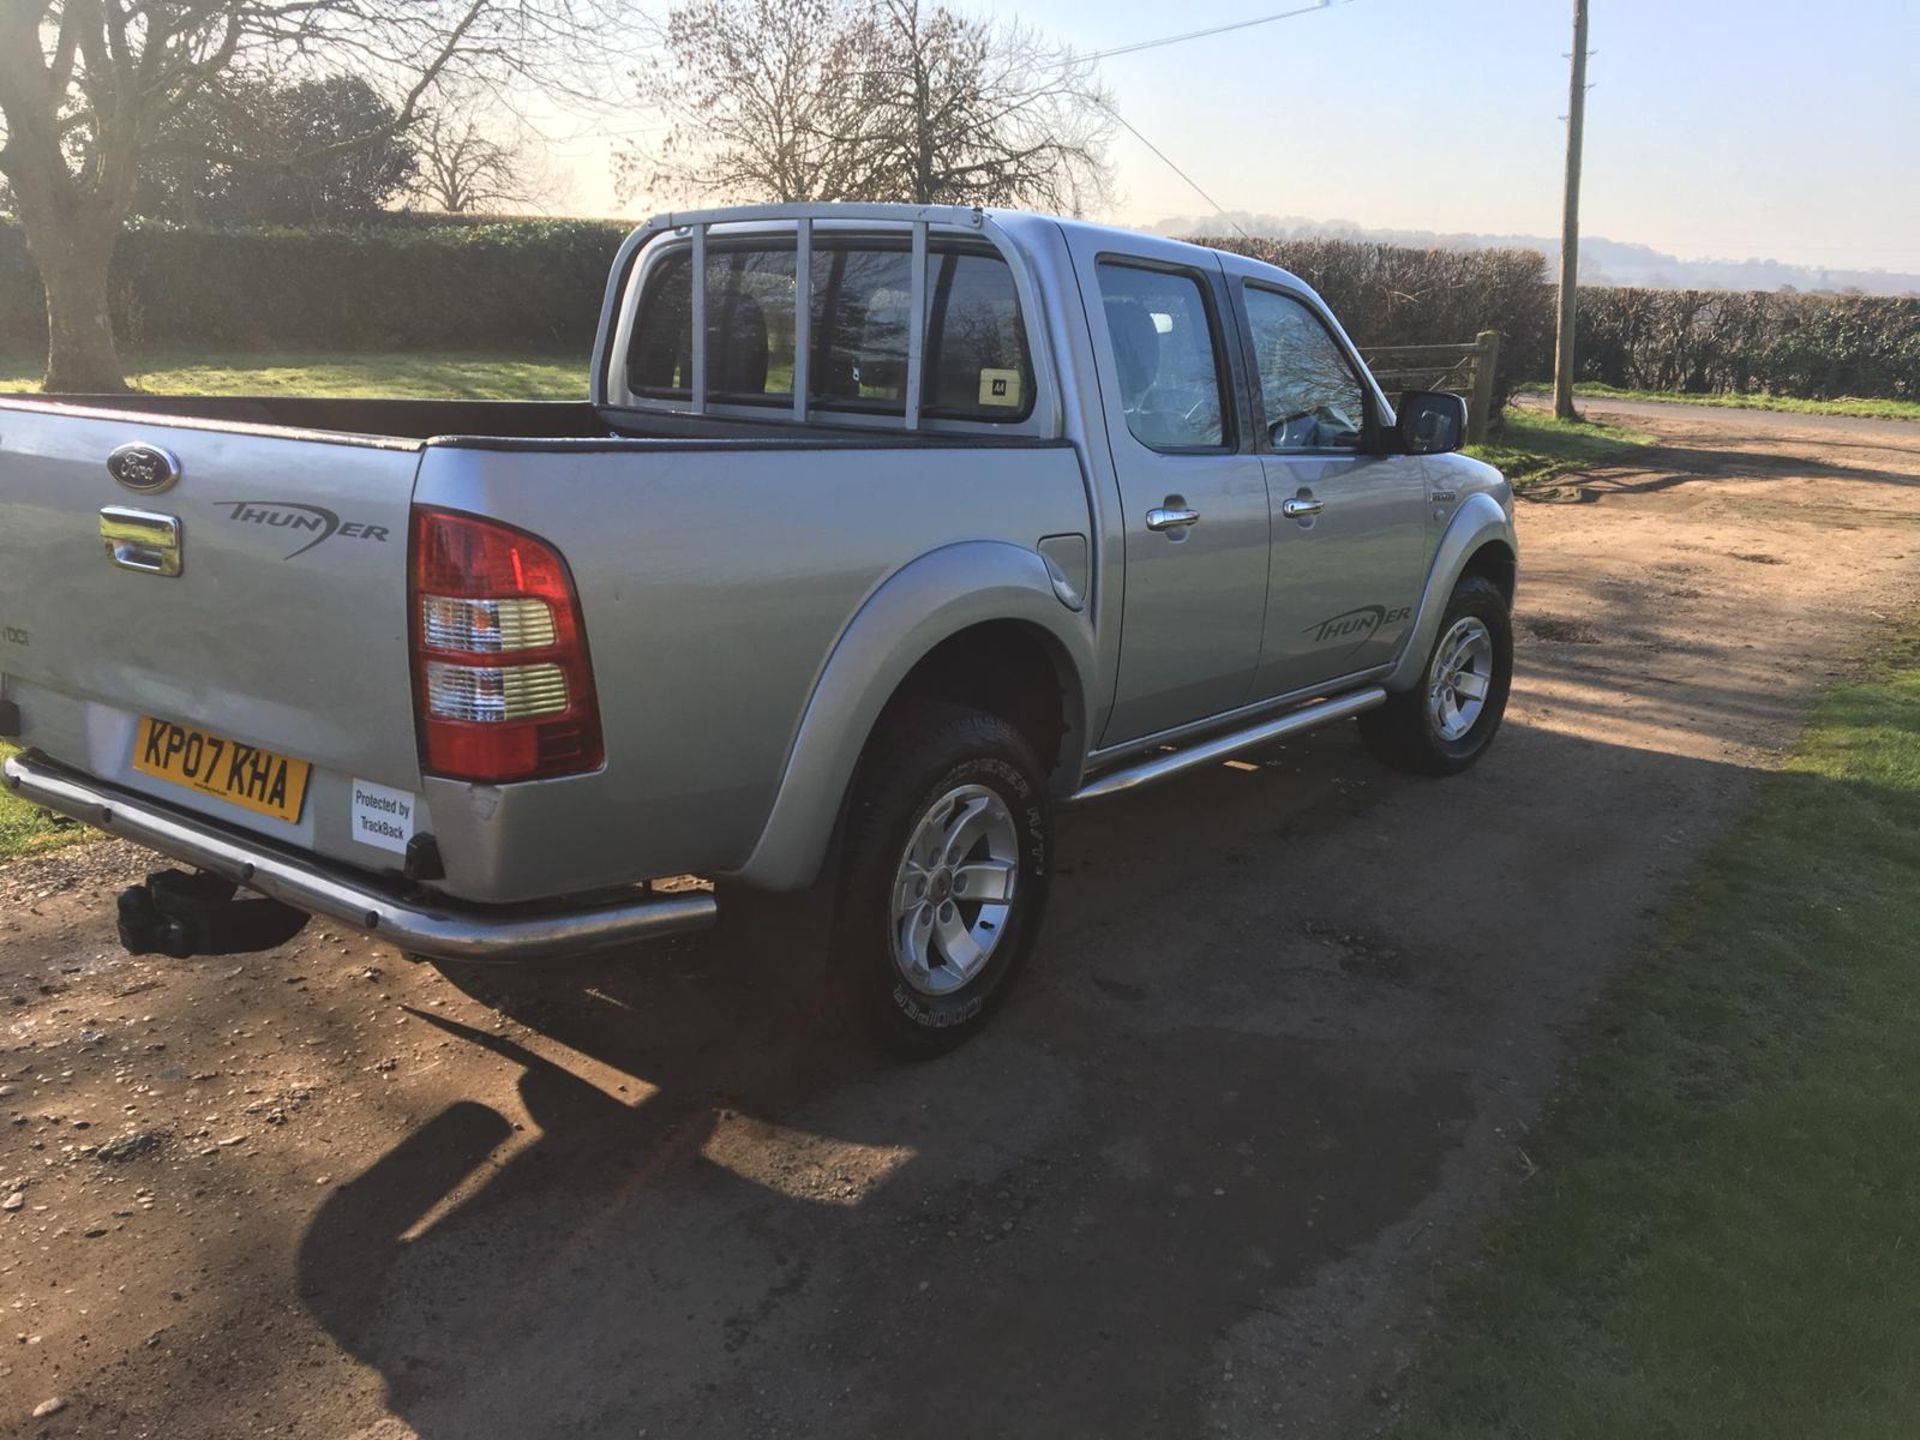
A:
<point x="1271" y="1012"/>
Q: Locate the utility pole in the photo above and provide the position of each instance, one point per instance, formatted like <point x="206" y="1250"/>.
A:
<point x="1570" y="222"/>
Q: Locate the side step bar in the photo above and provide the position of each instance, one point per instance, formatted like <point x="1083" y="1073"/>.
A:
<point x="1207" y="752"/>
<point x="440" y="930"/>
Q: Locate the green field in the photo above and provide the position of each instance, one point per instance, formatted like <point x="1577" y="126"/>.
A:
<point x="1533" y="447"/>
<point x="1722" y="1235"/>
<point x="458" y="375"/>
<point x="1870" y="409"/>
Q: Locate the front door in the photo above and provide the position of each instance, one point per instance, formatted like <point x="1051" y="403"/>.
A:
<point x="1193" y="492"/>
<point x="1349" y="524"/>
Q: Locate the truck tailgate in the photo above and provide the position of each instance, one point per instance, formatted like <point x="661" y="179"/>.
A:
<point x="283" y="636"/>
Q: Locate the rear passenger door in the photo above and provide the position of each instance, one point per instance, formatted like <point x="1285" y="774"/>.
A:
<point x="1192" y="491"/>
<point x="1349" y="519"/>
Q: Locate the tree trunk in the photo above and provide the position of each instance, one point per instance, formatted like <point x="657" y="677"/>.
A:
<point x="922" y="137"/>
<point x="74" y="267"/>
<point x="71" y="227"/>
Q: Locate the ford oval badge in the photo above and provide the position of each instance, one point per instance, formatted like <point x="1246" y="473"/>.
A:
<point x="144" y="468"/>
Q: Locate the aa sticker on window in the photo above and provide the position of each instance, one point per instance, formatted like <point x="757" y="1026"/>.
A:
<point x="1000" y="387"/>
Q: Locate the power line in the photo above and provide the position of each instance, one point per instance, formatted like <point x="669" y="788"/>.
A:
<point x="1167" y="160"/>
<point x="1181" y="39"/>
<point x="1155" y="44"/>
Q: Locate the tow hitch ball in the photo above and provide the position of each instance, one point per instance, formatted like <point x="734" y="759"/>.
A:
<point x="185" y="914"/>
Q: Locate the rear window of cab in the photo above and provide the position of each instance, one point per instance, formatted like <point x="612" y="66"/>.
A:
<point x="977" y="365"/>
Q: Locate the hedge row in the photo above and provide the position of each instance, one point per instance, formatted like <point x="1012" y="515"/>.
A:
<point x="539" y="283"/>
<point x="1813" y="347"/>
<point x="529" y="283"/>
<point x="1816" y="347"/>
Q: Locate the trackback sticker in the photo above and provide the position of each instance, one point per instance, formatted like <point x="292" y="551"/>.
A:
<point x="382" y="817"/>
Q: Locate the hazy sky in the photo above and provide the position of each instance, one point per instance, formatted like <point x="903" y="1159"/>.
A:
<point x="1741" y="129"/>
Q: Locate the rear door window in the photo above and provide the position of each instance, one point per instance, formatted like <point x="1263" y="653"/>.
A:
<point x="1166" y="356"/>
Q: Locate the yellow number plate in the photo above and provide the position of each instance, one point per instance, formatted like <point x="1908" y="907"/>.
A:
<point x="242" y="775"/>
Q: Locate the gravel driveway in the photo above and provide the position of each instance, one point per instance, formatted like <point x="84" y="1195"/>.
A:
<point x="1278" y="1059"/>
<point x="1750" y="424"/>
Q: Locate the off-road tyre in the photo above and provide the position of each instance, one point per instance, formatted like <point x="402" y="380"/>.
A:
<point x="1408" y="732"/>
<point x="924" y="754"/>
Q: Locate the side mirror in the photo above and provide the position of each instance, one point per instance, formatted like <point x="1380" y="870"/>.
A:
<point x="1432" y="422"/>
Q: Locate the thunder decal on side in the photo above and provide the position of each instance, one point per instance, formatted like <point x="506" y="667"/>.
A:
<point x="316" y="520"/>
<point x="1357" y="626"/>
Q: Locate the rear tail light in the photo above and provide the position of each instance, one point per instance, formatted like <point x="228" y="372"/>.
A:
<point x="502" y="683"/>
<point x="486" y="627"/>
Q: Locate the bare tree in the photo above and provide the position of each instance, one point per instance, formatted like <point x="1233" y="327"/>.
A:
<point x="759" y="96"/>
<point x="471" y="161"/>
<point x="86" y="87"/>
<point x="867" y="100"/>
<point x="964" y="112"/>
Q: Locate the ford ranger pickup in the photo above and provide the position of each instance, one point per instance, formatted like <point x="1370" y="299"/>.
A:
<point x="885" y="532"/>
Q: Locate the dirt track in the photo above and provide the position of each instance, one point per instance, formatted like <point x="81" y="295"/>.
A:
<point x="1288" y="1030"/>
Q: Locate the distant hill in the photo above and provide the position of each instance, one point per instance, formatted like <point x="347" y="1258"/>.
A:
<point x="1602" y="261"/>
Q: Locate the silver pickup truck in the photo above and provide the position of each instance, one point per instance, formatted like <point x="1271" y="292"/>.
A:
<point x="886" y="531"/>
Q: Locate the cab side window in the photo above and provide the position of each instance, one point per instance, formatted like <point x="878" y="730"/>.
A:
<point x="1165" y="357"/>
<point x="862" y="311"/>
<point x="978" y="367"/>
<point x="1310" y="395"/>
<point x="749" y="327"/>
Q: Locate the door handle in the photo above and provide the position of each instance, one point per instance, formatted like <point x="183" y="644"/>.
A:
<point x="1162" y="518"/>
<point x="140" y="540"/>
<point x="1295" y="508"/>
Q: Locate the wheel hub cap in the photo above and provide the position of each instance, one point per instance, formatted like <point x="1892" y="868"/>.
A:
<point x="954" y="889"/>
<point x="1460" y="678"/>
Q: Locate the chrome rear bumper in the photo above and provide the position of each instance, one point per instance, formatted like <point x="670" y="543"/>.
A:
<point x="440" y="931"/>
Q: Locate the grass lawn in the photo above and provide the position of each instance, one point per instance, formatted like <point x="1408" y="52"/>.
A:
<point x="25" y="830"/>
<point x="462" y="375"/>
<point x="1534" y="447"/>
<point x="1723" y="1234"/>
<point x="1872" y="409"/>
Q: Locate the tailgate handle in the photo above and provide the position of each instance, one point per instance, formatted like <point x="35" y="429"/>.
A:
<point x="141" y="540"/>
